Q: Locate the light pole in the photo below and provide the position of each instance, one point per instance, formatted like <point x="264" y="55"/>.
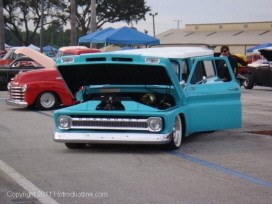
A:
<point x="178" y="22"/>
<point x="93" y="26"/>
<point x="153" y="15"/>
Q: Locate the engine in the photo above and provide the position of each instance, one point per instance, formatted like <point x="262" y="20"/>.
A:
<point x="112" y="101"/>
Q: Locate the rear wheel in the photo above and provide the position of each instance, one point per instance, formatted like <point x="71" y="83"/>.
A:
<point x="249" y="82"/>
<point x="47" y="100"/>
<point x="75" y="145"/>
<point x="176" y="134"/>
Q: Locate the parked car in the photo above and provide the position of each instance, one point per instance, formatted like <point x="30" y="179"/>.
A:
<point x="260" y="71"/>
<point x="145" y="96"/>
<point x="62" y="50"/>
<point x="21" y="64"/>
<point x="2" y="53"/>
<point x="10" y="56"/>
<point x="79" y="51"/>
<point x="43" y="89"/>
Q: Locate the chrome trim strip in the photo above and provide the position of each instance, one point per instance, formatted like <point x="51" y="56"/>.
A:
<point x="125" y="138"/>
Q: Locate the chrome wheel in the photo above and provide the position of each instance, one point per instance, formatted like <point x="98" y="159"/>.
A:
<point x="176" y="134"/>
<point x="47" y="100"/>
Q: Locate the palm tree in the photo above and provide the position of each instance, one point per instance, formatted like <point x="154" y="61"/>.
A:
<point x="93" y="15"/>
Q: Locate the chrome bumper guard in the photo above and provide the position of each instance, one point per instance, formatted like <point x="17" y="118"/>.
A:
<point x="21" y="104"/>
<point x="120" y="138"/>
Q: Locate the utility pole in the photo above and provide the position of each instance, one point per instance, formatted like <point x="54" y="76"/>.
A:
<point x="178" y="22"/>
<point x="93" y="20"/>
<point x="2" y="27"/>
<point x="153" y="18"/>
<point x="73" y="23"/>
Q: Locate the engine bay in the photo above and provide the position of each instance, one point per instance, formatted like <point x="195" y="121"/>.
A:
<point x="112" y="101"/>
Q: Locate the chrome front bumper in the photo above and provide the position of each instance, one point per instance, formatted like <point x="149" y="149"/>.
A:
<point x="21" y="104"/>
<point x="120" y="138"/>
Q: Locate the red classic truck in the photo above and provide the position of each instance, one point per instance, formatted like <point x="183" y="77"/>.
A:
<point x="42" y="88"/>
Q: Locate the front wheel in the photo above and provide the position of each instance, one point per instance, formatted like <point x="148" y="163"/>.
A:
<point x="176" y="134"/>
<point x="249" y="82"/>
<point x="47" y="100"/>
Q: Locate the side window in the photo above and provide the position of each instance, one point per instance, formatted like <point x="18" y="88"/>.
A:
<point x="209" y="69"/>
<point x="198" y="73"/>
<point x="175" y="66"/>
<point x="203" y="69"/>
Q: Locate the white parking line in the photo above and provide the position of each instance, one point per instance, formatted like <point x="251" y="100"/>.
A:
<point x="27" y="185"/>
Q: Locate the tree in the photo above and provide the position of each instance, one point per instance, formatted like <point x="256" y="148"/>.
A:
<point x="110" y="11"/>
<point x="24" y="20"/>
<point x="73" y="22"/>
<point x="21" y="16"/>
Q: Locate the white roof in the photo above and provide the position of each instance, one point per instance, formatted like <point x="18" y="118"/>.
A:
<point x="171" y="52"/>
<point x="62" y="49"/>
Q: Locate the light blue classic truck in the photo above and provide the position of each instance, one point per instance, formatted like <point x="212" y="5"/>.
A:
<point x="145" y="96"/>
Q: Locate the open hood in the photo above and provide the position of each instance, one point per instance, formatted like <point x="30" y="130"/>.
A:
<point x="76" y="76"/>
<point x="42" y="59"/>
<point x="267" y="53"/>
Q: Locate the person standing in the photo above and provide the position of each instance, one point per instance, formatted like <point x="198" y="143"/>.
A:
<point x="222" y="68"/>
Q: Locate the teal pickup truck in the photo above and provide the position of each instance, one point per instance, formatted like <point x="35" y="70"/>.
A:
<point x="145" y="96"/>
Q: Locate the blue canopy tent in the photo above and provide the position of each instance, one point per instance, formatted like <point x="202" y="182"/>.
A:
<point x="259" y="47"/>
<point x="88" y="38"/>
<point x="127" y="36"/>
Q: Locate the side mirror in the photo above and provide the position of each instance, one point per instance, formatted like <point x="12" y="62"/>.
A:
<point x="204" y="80"/>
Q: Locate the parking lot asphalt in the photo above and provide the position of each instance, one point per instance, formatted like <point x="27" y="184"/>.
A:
<point x="229" y="166"/>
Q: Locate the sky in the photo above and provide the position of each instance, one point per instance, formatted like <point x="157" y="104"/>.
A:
<point x="174" y="14"/>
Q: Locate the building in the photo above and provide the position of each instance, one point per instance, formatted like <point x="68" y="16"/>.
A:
<point x="238" y="36"/>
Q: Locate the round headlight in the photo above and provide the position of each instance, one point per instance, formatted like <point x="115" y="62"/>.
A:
<point x="64" y="122"/>
<point x="8" y="86"/>
<point x="154" y="124"/>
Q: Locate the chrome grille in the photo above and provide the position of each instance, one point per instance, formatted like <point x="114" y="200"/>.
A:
<point x="17" y="93"/>
<point x="109" y="123"/>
